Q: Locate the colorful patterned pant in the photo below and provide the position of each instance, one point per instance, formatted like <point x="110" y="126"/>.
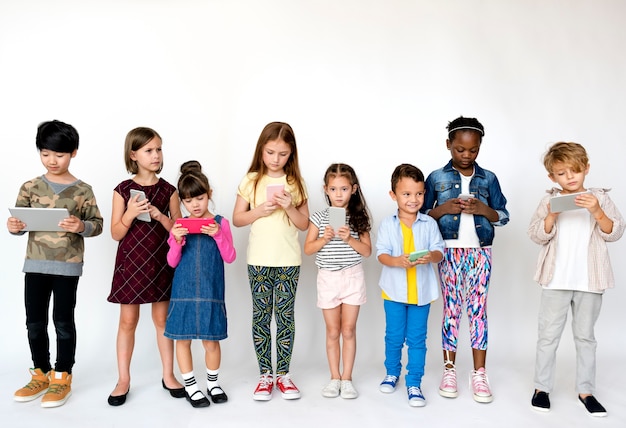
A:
<point x="273" y="292"/>
<point x="465" y="274"/>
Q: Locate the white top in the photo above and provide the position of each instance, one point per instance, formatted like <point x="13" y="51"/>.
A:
<point x="572" y="249"/>
<point x="467" y="236"/>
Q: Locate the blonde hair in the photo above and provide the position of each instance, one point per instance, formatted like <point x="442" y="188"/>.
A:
<point x="571" y="154"/>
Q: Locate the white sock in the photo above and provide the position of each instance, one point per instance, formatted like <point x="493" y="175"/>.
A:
<point x="211" y="379"/>
<point x="190" y="383"/>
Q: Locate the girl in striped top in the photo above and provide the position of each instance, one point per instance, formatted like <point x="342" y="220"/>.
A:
<point x="340" y="281"/>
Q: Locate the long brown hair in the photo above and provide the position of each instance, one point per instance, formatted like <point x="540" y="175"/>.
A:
<point x="278" y="131"/>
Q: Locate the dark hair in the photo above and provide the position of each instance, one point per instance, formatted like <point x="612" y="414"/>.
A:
<point x="56" y="136"/>
<point x="271" y="132"/>
<point x="360" y="220"/>
<point x="192" y="181"/>
<point x="405" y="170"/>
<point x="136" y="139"/>
<point x="461" y="123"/>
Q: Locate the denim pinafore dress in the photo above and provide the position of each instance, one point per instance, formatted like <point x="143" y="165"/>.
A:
<point x="197" y="309"/>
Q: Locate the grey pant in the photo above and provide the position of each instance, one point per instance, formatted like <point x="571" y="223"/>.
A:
<point x="552" y="317"/>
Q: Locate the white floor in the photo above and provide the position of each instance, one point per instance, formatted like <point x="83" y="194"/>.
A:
<point x="149" y="405"/>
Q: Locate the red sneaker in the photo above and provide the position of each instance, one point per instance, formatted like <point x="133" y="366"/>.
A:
<point x="288" y="390"/>
<point x="263" y="391"/>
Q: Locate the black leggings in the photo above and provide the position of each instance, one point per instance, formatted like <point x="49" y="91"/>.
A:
<point x="37" y="292"/>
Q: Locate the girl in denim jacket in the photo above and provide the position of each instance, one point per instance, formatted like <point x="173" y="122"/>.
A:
<point x="467" y="202"/>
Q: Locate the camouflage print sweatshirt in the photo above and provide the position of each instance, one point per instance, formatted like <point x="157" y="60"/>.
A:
<point x="59" y="253"/>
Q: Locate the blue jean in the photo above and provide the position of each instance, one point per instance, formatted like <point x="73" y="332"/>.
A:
<point x="406" y="323"/>
<point x="37" y="292"/>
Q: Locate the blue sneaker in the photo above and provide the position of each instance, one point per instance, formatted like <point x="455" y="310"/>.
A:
<point x="416" y="398"/>
<point x="388" y="384"/>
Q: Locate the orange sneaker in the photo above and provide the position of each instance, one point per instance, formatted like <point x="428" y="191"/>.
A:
<point x="59" y="390"/>
<point x="37" y="386"/>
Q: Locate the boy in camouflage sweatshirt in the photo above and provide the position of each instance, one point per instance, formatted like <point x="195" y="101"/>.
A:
<point x="54" y="261"/>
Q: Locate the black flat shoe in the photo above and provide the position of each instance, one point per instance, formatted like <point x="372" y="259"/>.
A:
<point x="118" y="400"/>
<point x="541" y="401"/>
<point x="593" y="406"/>
<point x="219" y="397"/>
<point x="200" y="402"/>
<point x="174" y="392"/>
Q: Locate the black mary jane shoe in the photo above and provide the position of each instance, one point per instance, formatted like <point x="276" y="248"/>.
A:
<point x="218" y="398"/>
<point x="117" y="400"/>
<point x="174" y="392"/>
<point x="200" y="402"/>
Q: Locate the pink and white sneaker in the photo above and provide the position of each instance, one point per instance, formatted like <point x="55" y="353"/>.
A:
<point x="479" y="384"/>
<point x="263" y="391"/>
<point x="447" y="387"/>
<point x="287" y="388"/>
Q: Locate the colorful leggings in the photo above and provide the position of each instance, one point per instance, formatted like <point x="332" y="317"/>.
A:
<point x="465" y="274"/>
<point x="273" y="291"/>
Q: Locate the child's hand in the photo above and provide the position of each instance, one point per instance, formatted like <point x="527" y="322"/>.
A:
<point x="471" y="206"/>
<point x="136" y="207"/>
<point x="178" y="231"/>
<point x="155" y="214"/>
<point x="266" y="208"/>
<point x="588" y="201"/>
<point x="344" y="233"/>
<point x="404" y="262"/>
<point x="211" y="229"/>
<point x="283" y="199"/>
<point x="329" y="234"/>
<point x="428" y="258"/>
<point x="15" y="225"/>
<point x="451" y="206"/>
<point x="72" y="224"/>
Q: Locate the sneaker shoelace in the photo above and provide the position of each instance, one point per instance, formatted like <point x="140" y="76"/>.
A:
<point x="449" y="377"/>
<point x="347" y="387"/>
<point x="57" y="388"/>
<point x="34" y="384"/>
<point x="479" y="382"/>
<point x="415" y="391"/>
<point x="265" y="380"/>
<point x="285" y="380"/>
<point x="390" y="379"/>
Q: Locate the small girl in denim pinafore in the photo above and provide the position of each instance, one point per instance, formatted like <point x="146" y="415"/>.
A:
<point x="199" y="246"/>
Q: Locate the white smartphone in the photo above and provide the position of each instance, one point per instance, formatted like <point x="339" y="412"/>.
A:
<point x="465" y="196"/>
<point x="336" y="217"/>
<point x="142" y="195"/>
<point x="272" y="189"/>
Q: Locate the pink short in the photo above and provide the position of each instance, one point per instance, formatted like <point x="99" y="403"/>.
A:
<point x="341" y="286"/>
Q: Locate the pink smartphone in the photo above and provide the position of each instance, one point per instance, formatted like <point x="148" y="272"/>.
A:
<point x="194" y="225"/>
<point x="272" y="189"/>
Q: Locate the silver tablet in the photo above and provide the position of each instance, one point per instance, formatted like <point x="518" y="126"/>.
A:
<point x="564" y="202"/>
<point x="40" y="219"/>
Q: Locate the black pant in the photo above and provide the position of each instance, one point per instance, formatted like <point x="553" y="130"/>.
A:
<point x="37" y="291"/>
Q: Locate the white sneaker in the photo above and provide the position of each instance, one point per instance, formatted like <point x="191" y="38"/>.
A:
<point x="347" y="390"/>
<point x="332" y="389"/>
<point x="388" y="385"/>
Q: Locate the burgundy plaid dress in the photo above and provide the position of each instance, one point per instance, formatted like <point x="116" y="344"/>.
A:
<point x="141" y="272"/>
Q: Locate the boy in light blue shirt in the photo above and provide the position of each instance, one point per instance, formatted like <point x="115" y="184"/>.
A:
<point x="409" y="283"/>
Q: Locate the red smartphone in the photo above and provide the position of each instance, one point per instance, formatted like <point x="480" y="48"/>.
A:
<point x="194" y="225"/>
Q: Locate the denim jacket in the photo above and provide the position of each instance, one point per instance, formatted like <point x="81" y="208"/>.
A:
<point x="445" y="183"/>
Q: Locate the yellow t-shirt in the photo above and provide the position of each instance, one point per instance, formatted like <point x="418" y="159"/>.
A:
<point x="273" y="240"/>
<point x="411" y="274"/>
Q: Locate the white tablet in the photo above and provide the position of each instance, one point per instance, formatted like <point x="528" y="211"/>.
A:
<point x="564" y="202"/>
<point x="40" y="219"/>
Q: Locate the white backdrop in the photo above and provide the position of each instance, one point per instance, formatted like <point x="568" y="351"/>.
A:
<point x="369" y="83"/>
